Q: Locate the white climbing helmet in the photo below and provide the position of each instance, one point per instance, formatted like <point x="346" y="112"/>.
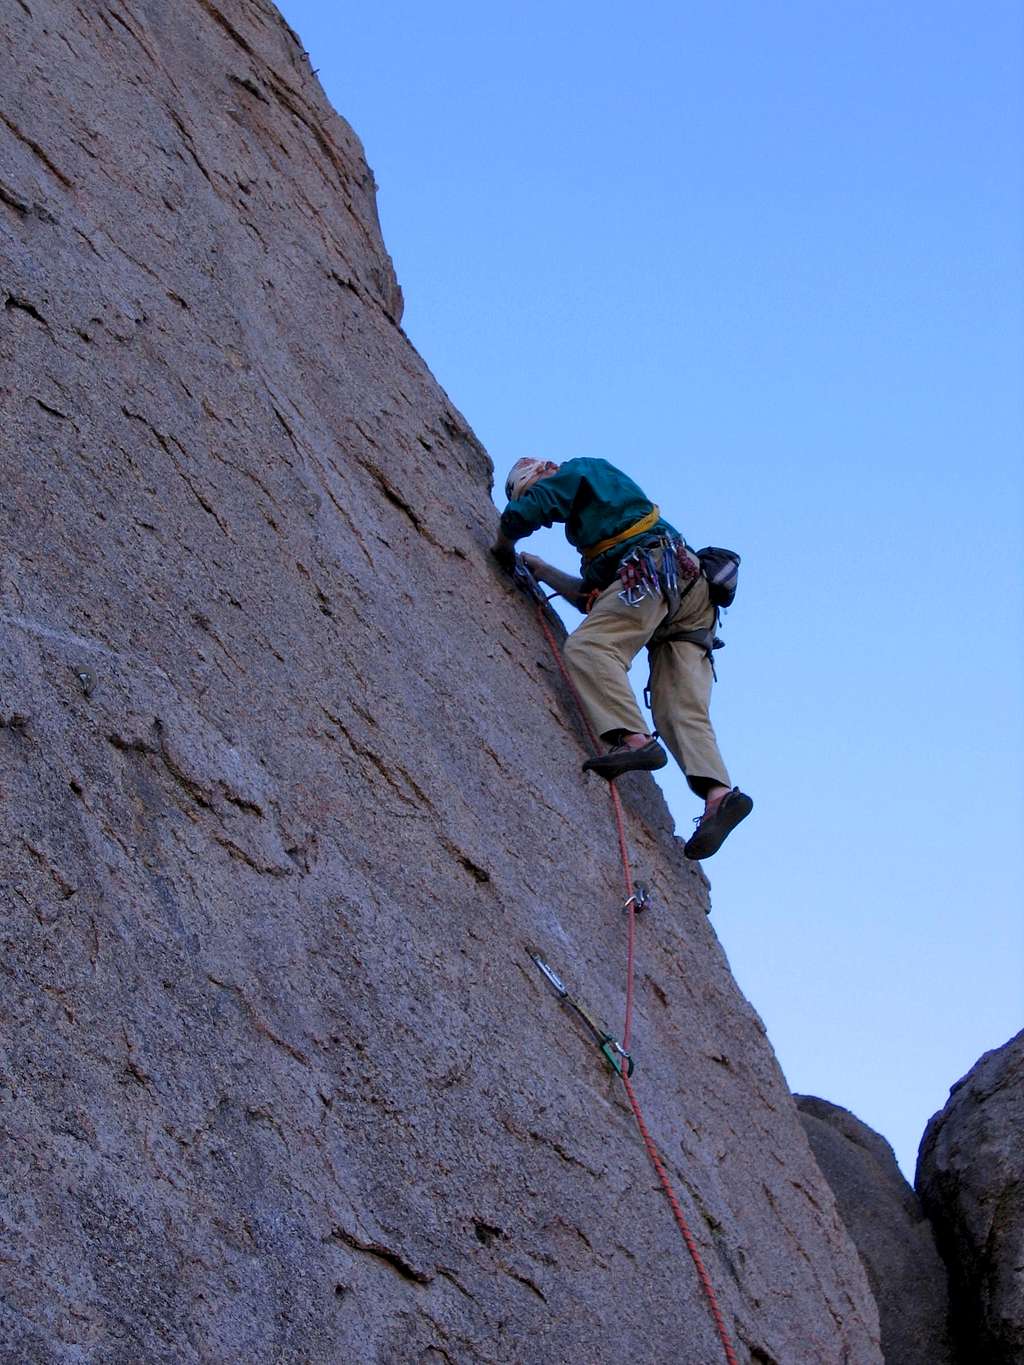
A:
<point x="522" y="473"/>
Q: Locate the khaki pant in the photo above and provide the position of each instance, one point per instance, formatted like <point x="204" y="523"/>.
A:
<point x="599" y="652"/>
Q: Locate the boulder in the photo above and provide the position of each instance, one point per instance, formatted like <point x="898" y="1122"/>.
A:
<point x="291" y="791"/>
<point x="885" y="1219"/>
<point x="970" y="1177"/>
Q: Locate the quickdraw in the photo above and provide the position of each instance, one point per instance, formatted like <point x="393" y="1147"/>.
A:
<point x="523" y="578"/>
<point x="639" y="899"/>
<point x="614" y="1053"/>
<point x="640" y="576"/>
<point x="658" y="568"/>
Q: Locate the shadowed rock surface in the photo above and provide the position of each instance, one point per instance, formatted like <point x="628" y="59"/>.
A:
<point x="970" y="1176"/>
<point x="290" y="788"/>
<point x="884" y="1217"/>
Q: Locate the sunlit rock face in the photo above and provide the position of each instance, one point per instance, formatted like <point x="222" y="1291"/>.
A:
<point x="970" y="1176"/>
<point x="291" y="789"/>
<point x="885" y="1220"/>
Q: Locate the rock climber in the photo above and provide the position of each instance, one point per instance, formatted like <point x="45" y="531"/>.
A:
<point x="641" y="584"/>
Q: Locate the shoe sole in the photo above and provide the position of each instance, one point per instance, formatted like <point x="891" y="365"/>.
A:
<point x="620" y="766"/>
<point x="710" y="837"/>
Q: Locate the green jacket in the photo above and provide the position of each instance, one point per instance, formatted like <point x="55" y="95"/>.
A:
<point x="594" y="500"/>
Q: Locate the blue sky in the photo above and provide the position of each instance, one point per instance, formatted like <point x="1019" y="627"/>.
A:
<point x="768" y="259"/>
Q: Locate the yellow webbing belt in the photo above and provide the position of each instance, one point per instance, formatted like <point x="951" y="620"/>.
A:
<point x="637" y="529"/>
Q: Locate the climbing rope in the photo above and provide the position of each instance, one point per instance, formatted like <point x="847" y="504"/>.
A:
<point x="627" y="1028"/>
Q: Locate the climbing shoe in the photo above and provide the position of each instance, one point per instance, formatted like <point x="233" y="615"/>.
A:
<point x="713" y="829"/>
<point x="623" y="759"/>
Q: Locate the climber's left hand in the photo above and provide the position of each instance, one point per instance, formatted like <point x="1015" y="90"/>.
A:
<point x="504" y="551"/>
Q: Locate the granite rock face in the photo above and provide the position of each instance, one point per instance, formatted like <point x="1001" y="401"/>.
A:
<point x="895" y="1240"/>
<point x="290" y="789"/>
<point x="970" y="1176"/>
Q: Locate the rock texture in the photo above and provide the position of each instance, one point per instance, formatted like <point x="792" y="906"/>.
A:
<point x="290" y="788"/>
<point x="970" y="1176"/>
<point x="895" y="1240"/>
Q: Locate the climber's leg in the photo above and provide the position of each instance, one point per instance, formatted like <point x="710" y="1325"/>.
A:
<point x="598" y="655"/>
<point x="681" y="679"/>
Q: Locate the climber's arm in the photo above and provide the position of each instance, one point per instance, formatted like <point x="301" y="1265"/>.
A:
<point x="565" y="584"/>
<point x="548" y="500"/>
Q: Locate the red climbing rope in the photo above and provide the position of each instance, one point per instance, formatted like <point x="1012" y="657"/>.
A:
<point x="620" y="824"/>
<point x="677" y="1213"/>
<point x="648" y="1141"/>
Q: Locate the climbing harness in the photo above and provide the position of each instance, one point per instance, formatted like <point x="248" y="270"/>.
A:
<point x="614" y="1054"/>
<point x="636" y="898"/>
<point x="707" y="639"/>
